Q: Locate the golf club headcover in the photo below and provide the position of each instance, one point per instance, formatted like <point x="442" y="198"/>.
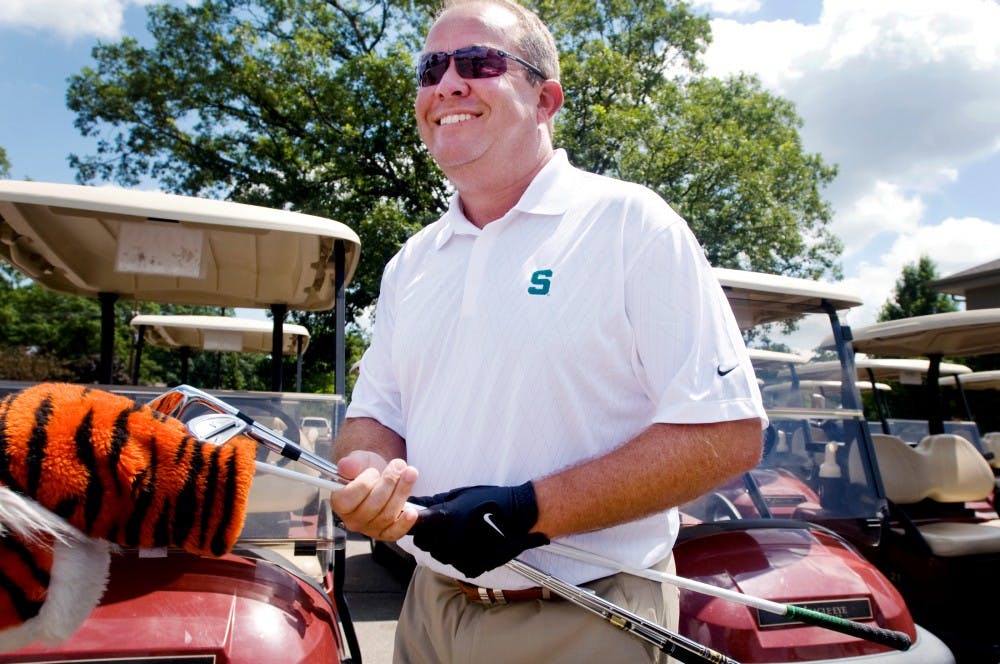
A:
<point x="83" y="470"/>
<point x="478" y="528"/>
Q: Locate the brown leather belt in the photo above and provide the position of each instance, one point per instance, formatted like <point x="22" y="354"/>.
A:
<point x="496" y="597"/>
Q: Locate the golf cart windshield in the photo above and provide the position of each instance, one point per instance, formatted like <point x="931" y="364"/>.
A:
<point x="816" y="465"/>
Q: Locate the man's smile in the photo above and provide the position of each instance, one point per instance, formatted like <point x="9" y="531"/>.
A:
<point x="455" y="119"/>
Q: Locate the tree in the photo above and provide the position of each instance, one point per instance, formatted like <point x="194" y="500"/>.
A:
<point x="4" y="164"/>
<point x="45" y="335"/>
<point x="307" y="105"/>
<point x="913" y="295"/>
<point x="725" y="153"/>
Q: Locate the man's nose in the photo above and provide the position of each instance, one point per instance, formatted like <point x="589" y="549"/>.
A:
<point x="451" y="83"/>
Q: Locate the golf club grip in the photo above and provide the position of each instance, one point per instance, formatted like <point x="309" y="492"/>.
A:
<point x="875" y="634"/>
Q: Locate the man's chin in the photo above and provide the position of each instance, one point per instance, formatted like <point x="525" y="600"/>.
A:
<point x="456" y="156"/>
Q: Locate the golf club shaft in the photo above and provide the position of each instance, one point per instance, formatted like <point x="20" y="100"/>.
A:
<point x="874" y="633"/>
<point x="887" y="637"/>
<point x="671" y="643"/>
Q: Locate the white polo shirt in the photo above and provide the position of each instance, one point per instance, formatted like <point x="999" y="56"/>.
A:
<point x="553" y="335"/>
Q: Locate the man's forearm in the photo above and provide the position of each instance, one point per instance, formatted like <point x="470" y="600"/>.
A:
<point x="369" y="435"/>
<point x="664" y="466"/>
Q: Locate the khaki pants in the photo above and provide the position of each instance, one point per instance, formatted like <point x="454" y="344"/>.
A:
<point x="439" y="625"/>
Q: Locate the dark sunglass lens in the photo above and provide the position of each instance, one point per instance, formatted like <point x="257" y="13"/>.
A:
<point x="480" y="63"/>
<point x="432" y="68"/>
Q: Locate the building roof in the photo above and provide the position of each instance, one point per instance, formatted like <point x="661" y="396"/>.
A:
<point x="987" y="274"/>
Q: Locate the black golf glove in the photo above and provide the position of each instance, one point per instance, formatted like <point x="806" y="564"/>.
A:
<point x="478" y="528"/>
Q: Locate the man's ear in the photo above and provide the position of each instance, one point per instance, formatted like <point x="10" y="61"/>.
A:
<point x="550" y="99"/>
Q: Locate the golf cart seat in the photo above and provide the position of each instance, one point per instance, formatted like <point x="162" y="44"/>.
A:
<point x="947" y="469"/>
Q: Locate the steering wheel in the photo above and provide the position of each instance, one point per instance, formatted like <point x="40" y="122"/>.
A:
<point x="720" y="508"/>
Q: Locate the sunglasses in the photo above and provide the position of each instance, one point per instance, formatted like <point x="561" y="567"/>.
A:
<point x="470" y="62"/>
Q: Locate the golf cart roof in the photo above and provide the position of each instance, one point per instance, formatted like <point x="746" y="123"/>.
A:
<point x="757" y="298"/>
<point x="863" y="385"/>
<point x="960" y="333"/>
<point x="883" y="368"/>
<point x="772" y="359"/>
<point x="222" y="333"/>
<point x="157" y="247"/>
<point x="978" y="380"/>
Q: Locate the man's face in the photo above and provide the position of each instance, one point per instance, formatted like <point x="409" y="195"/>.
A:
<point x="465" y="122"/>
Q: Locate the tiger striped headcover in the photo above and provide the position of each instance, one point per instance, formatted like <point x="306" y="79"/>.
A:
<point x="81" y="467"/>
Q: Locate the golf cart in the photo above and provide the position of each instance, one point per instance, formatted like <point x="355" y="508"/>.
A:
<point x="791" y="529"/>
<point x="215" y="333"/>
<point x="904" y="372"/>
<point x="941" y="542"/>
<point x="979" y="383"/>
<point x="278" y="596"/>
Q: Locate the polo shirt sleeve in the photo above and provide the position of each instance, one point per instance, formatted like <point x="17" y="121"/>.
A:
<point x="376" y="393"/>
<point x="688" y="352"/>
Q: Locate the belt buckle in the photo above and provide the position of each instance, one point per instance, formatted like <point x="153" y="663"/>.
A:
<point x="491" y="596"/>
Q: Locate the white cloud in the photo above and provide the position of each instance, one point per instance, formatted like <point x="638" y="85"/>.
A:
<point x="776" y="51"/>
<point x="883" y="208"/>
<point x="954" y="245"/>
<point x="68" y="18"/>
<point x="895" y="90"/>
<point x="904" y="96"/>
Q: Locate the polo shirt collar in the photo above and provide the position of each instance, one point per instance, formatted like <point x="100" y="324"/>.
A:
<point x="546" y="195"/>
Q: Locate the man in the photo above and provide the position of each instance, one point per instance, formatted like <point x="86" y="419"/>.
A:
<point x="557" y="349"/>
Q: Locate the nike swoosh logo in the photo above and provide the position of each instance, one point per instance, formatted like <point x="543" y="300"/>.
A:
<point x="723" y="372"/>
<point x="488" y="518"/>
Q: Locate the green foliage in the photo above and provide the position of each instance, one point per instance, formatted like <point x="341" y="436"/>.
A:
<point x="913" y="295"/>
<point x="57" y="335"/>
<point x="4" y="164"/>
<point x="24" y="364"/>
<point x="725" y="153"/>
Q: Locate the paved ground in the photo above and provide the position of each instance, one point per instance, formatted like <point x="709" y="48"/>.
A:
<point x="374" y="595"/>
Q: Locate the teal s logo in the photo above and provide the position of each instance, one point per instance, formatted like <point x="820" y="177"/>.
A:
<point x="540" y="282"/>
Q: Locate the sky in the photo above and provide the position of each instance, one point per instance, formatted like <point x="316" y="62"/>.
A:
<point x="903" y="96"/>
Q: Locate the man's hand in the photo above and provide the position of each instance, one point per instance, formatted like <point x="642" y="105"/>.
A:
<point x="478" y="528"/>
<point x="373" y="502"/>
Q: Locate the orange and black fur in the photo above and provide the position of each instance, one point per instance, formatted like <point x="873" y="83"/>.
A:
<point x="111" y="471"/>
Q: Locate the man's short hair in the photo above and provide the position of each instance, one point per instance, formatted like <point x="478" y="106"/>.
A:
<point x="534" y="41"/>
